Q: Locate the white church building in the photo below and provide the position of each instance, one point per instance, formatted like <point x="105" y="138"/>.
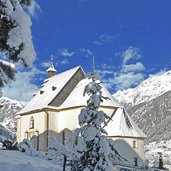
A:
<point x="54" y="110"/>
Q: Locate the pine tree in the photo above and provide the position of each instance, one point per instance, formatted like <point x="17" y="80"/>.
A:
<point x="94" y="152"/>
<point x="7" y="73"/>
<point x="15" y="37"/>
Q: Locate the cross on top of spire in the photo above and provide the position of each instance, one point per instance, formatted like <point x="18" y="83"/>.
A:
<point x="93" y="64"/>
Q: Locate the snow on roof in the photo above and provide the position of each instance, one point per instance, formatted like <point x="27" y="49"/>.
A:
<point x="122" y="125"/>
<point x="51" y="68"/>
<point x="76" y="97"/>
<point x="49" y="91"/>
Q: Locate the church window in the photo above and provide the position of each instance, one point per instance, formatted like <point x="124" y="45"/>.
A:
<point x="34" y="94"/>
<point x="41" y="91"/>
<point x="134" y="144"/>
<point x="127" y="120"/>
<point x="31" y="123"/>
<point x="63" y="137"/>
<point x="135" y="161"/>
<point x="26" y="135"/>
<point x="53" y="88"/>
<point x="76" y="141"/>
<point x="37" y="138"/>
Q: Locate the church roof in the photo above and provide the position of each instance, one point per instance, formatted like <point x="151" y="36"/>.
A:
<point x="121" y="124"/>
<point x="76" y="97"/>
<point x="50" y="89"/>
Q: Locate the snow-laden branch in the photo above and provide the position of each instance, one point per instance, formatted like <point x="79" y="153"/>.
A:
<point x="15" y="37"/>
<point x="15" y="32"/>
<point x="94" y="152"/>
<point x="7" y="72"/>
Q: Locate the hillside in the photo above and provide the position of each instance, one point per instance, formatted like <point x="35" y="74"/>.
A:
<point x="154" y="117"/>
<point x="149" y="104"/>
<point x="8" y="111"/>
<point x="148" y="90"/>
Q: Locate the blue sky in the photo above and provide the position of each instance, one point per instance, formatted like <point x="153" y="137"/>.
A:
<point x="130" y="40"/>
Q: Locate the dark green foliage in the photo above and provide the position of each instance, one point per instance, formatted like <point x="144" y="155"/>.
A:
<point x="7" y="73"/>
<point x="8" y="145"/>
<point x="7" y="23"/>
<point x="93" y="151"/>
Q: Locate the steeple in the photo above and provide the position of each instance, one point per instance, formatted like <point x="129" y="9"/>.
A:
<point x="51" y="70"/>
<point x="93" y="64"/>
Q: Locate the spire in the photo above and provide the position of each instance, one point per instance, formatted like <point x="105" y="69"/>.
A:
<point x="51" y="70"/>
<point x="93" y="63"/>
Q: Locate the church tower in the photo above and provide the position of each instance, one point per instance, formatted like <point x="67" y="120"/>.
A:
<point x="51" y="70"/>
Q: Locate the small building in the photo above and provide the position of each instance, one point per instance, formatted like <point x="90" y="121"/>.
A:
<point x="54" y="110"/>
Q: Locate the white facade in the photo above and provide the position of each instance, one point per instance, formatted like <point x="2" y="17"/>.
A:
<point x="54" y="112"/>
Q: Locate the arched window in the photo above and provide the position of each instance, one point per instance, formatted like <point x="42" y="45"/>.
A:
<point x="31" y="123"/>
<point x="134" y="144"/>
<point x="26" y="135"/>
<point x="63" y="137"/>
<point x="37" y="139"/>
<point x="135" y="161"/>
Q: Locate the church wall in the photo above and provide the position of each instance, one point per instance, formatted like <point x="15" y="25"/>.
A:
<point x="58" y="121"/>
<point x="67" y="121"/>
<point x="62" y="124"/>
<point x="37" y="133"/>
<point x="18" y="129"/>
<point x="130" y="148"/>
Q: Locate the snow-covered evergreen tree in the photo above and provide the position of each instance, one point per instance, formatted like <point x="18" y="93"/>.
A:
<point x="93" y="152"/>
<point x="15" y="37"/>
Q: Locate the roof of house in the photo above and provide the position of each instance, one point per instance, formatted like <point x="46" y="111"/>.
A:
<point x="121" y="124"/>
<point x="50" y="89"/>
<point x="76" y="98"/>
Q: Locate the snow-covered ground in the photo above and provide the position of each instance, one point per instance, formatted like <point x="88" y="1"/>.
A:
<point x="17" y="161"/>
<point x="153" y="149"/>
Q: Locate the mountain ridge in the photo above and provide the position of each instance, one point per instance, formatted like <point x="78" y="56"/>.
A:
<point x="8" y="110"/>
<point x="149" y="104"/>
<point x="149" y="89"/>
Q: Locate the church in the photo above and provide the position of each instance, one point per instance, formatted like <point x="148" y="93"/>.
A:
<point x="53" y="112"/>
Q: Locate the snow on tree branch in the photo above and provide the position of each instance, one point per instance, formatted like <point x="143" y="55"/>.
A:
<point x="7" y="72"/>
<point x="15" y="32"/>
<point x="94" y="151"/>
<point x="15" y="37"/>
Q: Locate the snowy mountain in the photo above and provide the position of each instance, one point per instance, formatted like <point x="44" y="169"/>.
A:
<point x="149" y="89"/>
<point x="154" y="117"/>
<point x="149" y="104"/>
<point x="8" y="110"/>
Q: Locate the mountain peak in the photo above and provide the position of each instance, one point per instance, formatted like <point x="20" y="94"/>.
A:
<point x="8" y="110"/>
<point x="149" y="89"/>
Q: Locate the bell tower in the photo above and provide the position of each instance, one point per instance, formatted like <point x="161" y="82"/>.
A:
<point x="51" y="70"/>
